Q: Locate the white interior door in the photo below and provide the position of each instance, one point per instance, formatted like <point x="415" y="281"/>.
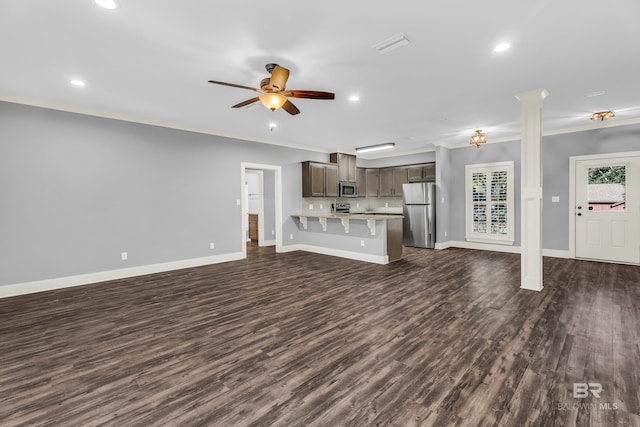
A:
<point x="607" y="209"/>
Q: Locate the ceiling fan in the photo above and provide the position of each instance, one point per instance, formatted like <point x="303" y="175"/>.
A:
<point x="273" y="94"/>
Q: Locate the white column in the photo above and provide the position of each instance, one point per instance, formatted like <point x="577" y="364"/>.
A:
<point x="531" y="189"/>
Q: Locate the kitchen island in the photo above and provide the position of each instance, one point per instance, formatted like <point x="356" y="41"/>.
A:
<point x="375" y="238"/>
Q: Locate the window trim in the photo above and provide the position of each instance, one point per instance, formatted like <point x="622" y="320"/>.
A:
<point x="487" y="168"/>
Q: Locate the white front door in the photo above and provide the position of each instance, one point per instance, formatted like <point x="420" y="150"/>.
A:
<point x="607" y="209"/>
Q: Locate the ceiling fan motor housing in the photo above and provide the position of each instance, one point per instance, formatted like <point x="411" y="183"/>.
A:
<point x="265" y="84"/>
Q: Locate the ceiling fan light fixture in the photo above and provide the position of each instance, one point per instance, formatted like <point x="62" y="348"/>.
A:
<point x="602" y="116"/>
<point x="478" y="139"/>
<point x="376" y="147"/>
<point x="272" y="100"/>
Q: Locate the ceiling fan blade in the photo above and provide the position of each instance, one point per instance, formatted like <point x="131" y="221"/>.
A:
<point x="234" y="85"/>
<point x="247" y="102"/>
<point x="290" y="108"/>
<point x="309" y="94"/>
<point x="279" y="77"/>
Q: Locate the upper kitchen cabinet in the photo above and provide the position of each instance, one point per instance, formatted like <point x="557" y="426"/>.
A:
<point x="424" y="172"/>
<point x="319" y="179"/>
<point x="361" y="181"/>
<point x="391" y="180"/>
<point x="372" y="178"/>
<point x="346" y="166"/>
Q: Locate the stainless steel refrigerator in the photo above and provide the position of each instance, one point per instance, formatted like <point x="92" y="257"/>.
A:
<point x="419" y="227"/>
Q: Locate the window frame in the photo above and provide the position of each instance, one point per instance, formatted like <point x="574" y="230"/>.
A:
<point x="487" y="237"/>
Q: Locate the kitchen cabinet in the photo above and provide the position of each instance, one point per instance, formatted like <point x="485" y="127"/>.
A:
<point x="372" y="179"/>
<point x="423" y="172"/>
<point x="391" y="180"/>
<point x="346" y="166"/>
<point x="386" y="182"/>
<point x="399" y="178"/>
<point x="253" y="226"/>
<point x="319" y="179"/>
<point x="361" y="181"/>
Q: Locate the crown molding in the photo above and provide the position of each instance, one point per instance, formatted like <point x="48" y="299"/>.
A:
<point x="146" y="121"/>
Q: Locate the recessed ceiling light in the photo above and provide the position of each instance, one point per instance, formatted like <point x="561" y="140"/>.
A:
<point x="78" y="83"/>
<point x="354" y="98"/>
<point x="501" y="47"/>
<point x="107" y="4"/>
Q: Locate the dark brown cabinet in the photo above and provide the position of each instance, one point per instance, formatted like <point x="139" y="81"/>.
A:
<point x="361" y="181"/>
<point x="372" y="182"/>
<point x="425" y="172"/>
<point x="319" y="179"/>
<point x="391" y="180"/>
<point x="346" y="166"/>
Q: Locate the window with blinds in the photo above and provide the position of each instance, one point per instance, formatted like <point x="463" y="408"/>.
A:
<point x="489" y="203"/>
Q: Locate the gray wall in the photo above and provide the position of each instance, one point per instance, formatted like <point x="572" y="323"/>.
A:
<point x="556" y="151"/>
<point x="76" y="191"/>
<point x="458" y="159"/>
<point x="443" y="194"/>
<point x="408" y="159"/>
<point x="269" y="180"/>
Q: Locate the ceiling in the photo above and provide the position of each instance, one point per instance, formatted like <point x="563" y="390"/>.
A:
<point x="150" y="60"/>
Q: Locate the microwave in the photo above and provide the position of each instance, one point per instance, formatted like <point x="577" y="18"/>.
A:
<point x="348" y="189"/>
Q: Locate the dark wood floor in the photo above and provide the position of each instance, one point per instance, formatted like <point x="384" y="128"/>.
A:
<point x="299" y="339"/>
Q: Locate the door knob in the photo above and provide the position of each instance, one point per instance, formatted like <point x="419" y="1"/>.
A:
<point x="579" y="207"/>
<point x="579" y="214"/>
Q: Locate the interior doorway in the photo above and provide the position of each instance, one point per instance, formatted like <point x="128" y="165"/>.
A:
<point x="606" y="214"/>
<point x="261" y="206"/>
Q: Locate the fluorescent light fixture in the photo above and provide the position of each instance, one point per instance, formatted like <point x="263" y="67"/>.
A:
<point x="354" y="98"/>
<point x="107" y="4"/>
<point x="392" y="43"/>
<point x="78" y="83"/>
<point x="501" y="47"/>
<point x="377" y="147"/>
<point x="594" y="94"/>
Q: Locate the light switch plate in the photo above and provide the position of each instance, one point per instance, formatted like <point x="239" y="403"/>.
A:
<point x="555" y="199"/>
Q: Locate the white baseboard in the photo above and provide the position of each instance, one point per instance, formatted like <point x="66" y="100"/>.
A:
<point x="86" y="279"/>
<point x="267" y="243"/>
<point x="484" y="246"/>
<point x="357" y="256"/>
<point x="553" y="253"/>
<point x="443" y="245"/>
<point x="556" y="253"/>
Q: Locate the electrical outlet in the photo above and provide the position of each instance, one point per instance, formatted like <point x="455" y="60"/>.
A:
<point x="290" y="236"/>
<point x="320" y="205"/>
<point x="443" y="200"/>
<point x="212" y="245"/>
<point x="238" y="202"/>
<point x="124" y="256"/>
<point x="310" y="207"/>
<point x="357" y="205"/>
<point x="555" y="199"/>
<point x="445" y="234"/>
<point x="273" y="232"/>
<point x="361" y="242"/>
<point x="386" y="205"/>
